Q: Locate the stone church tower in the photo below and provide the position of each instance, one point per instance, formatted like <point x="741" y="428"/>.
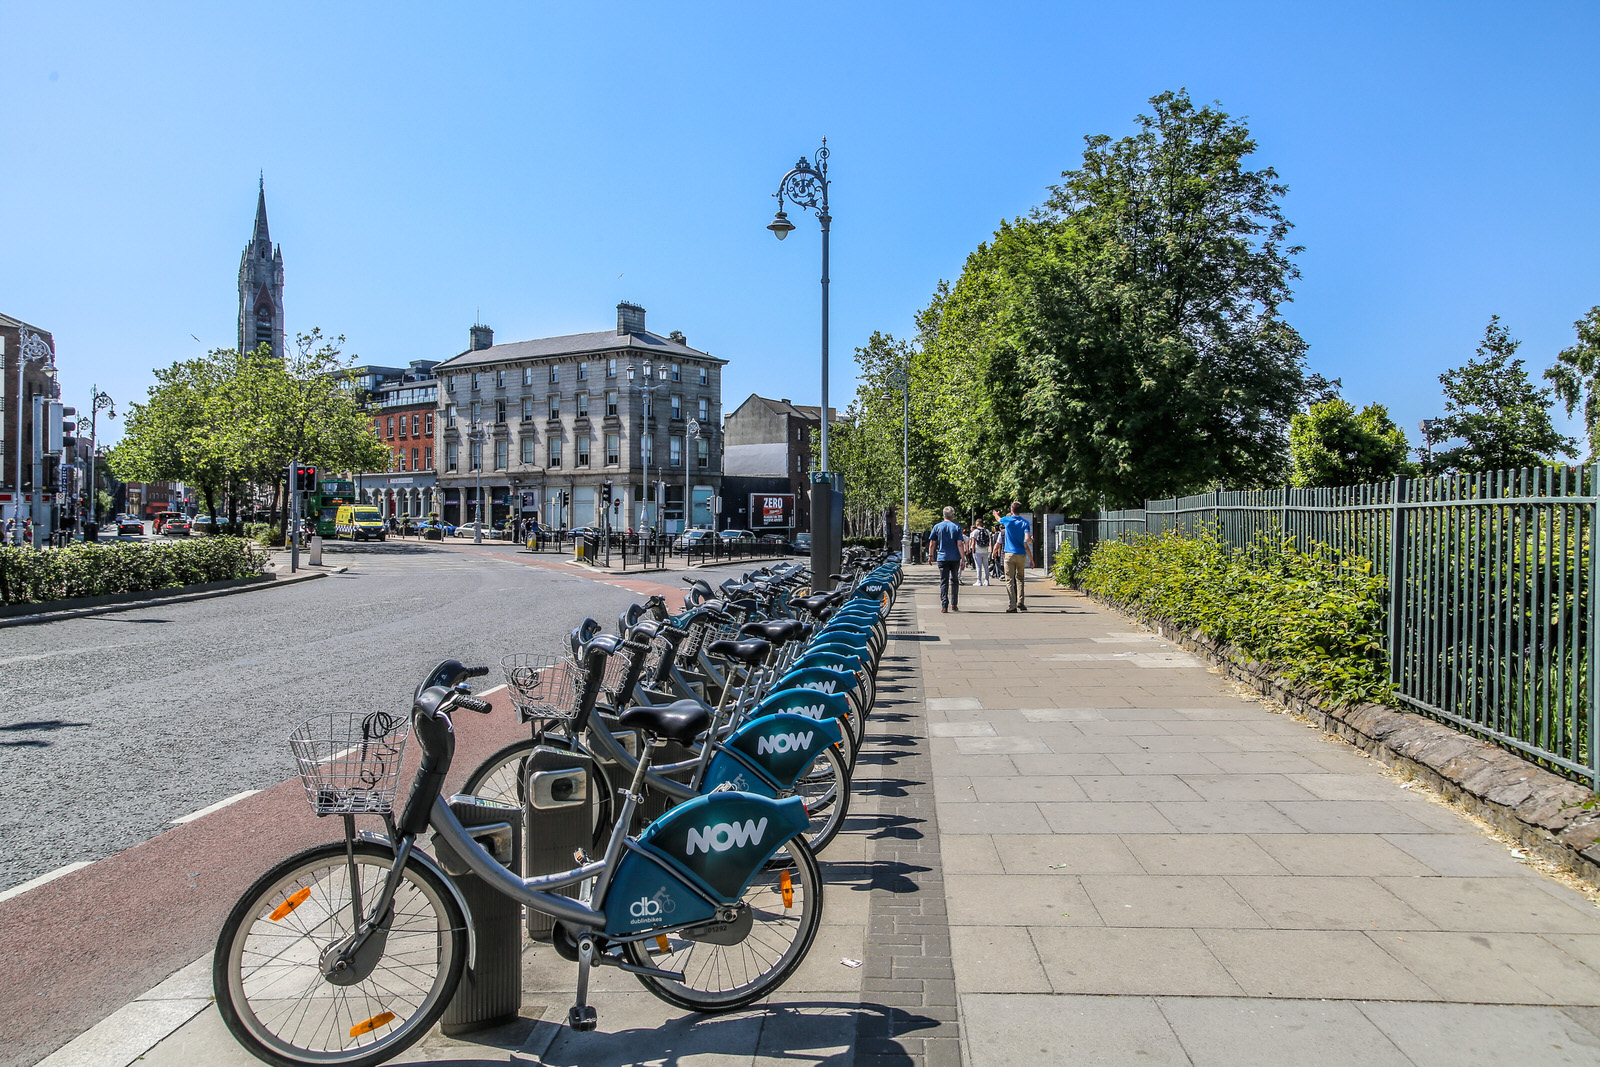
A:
<point x="261" y="286"/>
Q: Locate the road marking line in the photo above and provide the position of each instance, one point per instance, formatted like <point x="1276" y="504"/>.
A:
<point x="218" y="806"/>
<point x="491" y="692"/>
<point x="35" y="883"/>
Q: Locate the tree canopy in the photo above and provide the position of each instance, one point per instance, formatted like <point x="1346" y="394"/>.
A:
<point x="1500" y="418"/>
<point x="1576" y="377"/>
<point x="1334" y="444"/>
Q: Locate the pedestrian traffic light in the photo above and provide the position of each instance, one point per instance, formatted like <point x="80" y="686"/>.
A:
<point x="305" y="479"/>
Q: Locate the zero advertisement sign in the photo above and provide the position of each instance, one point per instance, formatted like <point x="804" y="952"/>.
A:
<point x="770" y="510"/>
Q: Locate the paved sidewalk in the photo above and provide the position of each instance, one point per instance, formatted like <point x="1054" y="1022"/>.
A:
<point x="1143" y="867"/>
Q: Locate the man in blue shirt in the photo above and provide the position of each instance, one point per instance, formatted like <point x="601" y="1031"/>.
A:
<point x="944" y="548"/>
<point x="1016" y="535"/>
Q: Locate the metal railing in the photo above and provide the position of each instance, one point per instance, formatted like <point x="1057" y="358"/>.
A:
<point x="1490" y="581"/>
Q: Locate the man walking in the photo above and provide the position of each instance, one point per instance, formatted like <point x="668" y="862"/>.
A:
<point x="1016" y="535"/>
<point x="944" y="547"/>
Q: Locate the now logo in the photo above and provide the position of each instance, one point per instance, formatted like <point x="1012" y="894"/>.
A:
<point x="725" y="835"/>
<point x="821" y="687"/>
<point x="814" y="711"/>
<point x="783" y="743"/>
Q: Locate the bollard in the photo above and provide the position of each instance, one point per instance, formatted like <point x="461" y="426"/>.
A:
<point x="490" y="992"/>
<point x="316" y="550"/>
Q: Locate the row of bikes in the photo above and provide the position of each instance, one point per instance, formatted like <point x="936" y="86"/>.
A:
<point x="680" y="776"/>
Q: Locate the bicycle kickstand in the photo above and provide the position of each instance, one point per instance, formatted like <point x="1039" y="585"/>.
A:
<point x="582" y="1016"/>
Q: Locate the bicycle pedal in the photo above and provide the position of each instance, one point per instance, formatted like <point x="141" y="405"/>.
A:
<point x="582" y="1018"/>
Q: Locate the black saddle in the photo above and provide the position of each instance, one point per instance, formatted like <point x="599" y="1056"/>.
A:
<point x="681" y="721"/>
<point x="813" y="603"/>
<point x="753" y="650"/>
<point x="775" y="630"/>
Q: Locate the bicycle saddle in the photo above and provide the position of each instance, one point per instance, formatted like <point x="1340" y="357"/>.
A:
<point x="775" y="630"/>
<point x="681" y="721"/>
<point x="813" y="603"/>
<point x="753" y="650"/>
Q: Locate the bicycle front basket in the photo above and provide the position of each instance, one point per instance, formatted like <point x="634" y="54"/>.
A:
<point x="349" y="762"/>
<point x="542" y="687"/>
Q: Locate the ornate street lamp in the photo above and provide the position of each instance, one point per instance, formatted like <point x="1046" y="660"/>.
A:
<point x="806" y="185"/>
<point x="34" y="349"/>
<point x="97" y="400"/>
<point x="475" y="437"/>
<point x="648" y="386"/>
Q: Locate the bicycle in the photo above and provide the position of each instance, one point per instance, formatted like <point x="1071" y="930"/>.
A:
<point x="348" y="952"/>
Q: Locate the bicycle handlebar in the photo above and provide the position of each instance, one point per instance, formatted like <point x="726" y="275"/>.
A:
<point x="482" y="707"/>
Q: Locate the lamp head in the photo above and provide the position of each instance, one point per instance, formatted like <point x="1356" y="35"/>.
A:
<point x="780" y="225"/>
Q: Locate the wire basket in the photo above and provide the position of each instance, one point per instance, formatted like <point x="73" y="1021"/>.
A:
<point x="543" y="687"/>
<point x="616" y="673"/>
<point x="349" y="762"/>
<point x="655" y="661"/>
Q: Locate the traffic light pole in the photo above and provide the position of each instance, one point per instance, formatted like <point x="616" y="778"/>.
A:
<point x="293" y="533"/>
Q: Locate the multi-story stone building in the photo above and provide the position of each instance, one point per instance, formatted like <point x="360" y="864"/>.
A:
<point x="261" y="286"/>
<point x="547" y="424"/>
<point x="404" y="404"/>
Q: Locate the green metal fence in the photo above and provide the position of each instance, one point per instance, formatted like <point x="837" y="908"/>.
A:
<point x="1490" y="577"/>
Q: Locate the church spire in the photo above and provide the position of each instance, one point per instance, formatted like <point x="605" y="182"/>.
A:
<point x="261" y="319"/>
<point x="261" y="235"/>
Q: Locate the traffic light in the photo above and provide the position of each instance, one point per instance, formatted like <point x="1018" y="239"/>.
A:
<point x="305" y="479"/>
<point x="605" y="493"/>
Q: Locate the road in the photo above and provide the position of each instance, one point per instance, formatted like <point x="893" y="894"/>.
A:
<point x="113" y="726"/>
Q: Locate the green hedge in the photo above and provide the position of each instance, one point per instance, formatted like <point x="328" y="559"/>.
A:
<point x="81" y="570"/>
<point x="1314" y="623"/>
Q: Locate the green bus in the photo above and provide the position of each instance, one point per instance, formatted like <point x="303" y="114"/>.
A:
<point x="330" y="496"/>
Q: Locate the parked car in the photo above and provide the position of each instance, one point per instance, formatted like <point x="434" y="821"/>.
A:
<point x="693" y="540"/>
<point x="802" y="544"/>
<point x="775" y="542"/>
<point x="737" y="537"/>
<point x="129" y="526"/>
<point x="203" y="524"/>
<point x="178" y="526"/>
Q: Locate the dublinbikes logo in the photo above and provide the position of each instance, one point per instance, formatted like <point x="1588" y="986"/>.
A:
<point x="781" y="743"/>
<point x="722" y="836"/>
<point x="647" y="909"/>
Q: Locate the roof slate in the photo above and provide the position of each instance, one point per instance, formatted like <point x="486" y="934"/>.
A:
<point x="576" y="344"/>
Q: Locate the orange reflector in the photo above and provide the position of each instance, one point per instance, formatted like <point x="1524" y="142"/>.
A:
<point x="787" y="885"/>
<point x="372" y="1024"/>
<point x="661" y="942"/>
<point x="295" y="900"/>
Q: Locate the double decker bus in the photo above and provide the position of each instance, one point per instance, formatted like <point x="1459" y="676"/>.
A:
<point x="330" y="495"/>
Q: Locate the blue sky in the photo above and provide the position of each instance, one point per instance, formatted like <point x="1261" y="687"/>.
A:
<point x="534" y="164"/>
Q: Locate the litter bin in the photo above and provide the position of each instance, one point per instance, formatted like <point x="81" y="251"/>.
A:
<point x="91" y="532"/>
<point x="490" y="993"/>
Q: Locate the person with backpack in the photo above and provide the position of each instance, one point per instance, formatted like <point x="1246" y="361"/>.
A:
<point x="980" y="540"/>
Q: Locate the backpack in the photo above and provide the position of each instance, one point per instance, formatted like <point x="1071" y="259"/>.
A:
<point x="980" y="537"/>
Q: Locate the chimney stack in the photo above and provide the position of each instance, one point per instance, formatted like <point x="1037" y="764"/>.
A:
<point x="482" y="337"/>
<point x="630" y="318"/>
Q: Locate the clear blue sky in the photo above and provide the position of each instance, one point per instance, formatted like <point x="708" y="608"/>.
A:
<point x="533" y="164"/>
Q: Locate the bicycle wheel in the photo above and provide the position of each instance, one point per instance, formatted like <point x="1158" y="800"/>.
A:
<point x="784" y="906"/>
<point x="500" y="777"/>
<point x="268" y="976"/>
<point x="825" y="788"/>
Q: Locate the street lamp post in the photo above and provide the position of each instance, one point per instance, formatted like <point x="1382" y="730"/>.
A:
<point x="475" y="437"/>
<point x="691" y="433"/>
<point x="648" y="387"/>
<point x="97" y="400"/>
<point x="806" y="185"/>
<point x="901" y="378"/>
<point x="34" y="349"/>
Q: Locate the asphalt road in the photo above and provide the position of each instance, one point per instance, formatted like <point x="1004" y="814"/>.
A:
<point x="114" y="725"/>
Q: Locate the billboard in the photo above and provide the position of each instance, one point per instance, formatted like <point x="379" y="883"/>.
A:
<point x="771" y="511"/>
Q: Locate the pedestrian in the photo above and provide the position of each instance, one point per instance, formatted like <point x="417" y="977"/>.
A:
<point x="1016" y="535"/>
<point x="944" y="547"/>
<point x="980" y="539"/>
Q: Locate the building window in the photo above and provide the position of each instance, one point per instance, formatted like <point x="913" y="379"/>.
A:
<point x="611" y="368"/>
<point x="555" y="374"/>
<point x="677" y="372"/>
<point x="475" y="455"/>
<point x="450" y="455"/>
<point x="527" y="409"/>
<point x="705" y="409"/>
<point x="377" y="427"/>
<point x="415" y="454"/>
<point x="500" y="379"/>
<point x="527" y="450"/>
<point x="475" y="380"/>
<point x="613" y="449"/>
<point x="583" y="450"/>
<point x="403" y="434"/>
<point x="398" y="460"/>
<point x="555" y="455"/>
<point x="502" y="449"/>
<point x="391" y="427"/>
<point x="499" y="411"/>
<point x="527" y="375"/>
<point x="427" y="423"/>
<point x="677" y="407"/>
<point x="583" y="405"/>
<point x="703" y="453"/>
<point x="416" y="424"/>
<point x="450" y="417"/>
<point x="427" y="458"/>
<point x="450" y="383"/>
<point x="705" y="376"/>
<point x="675" y="451"/>
<point x="476" y="412"/>
<point x="583" y="372"/>
<point x="555" y="405"/>
<point x="611" y="402"/>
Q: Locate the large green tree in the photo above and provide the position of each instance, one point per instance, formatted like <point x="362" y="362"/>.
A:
<point x="1332" y="444"/>
<point x="1125" y="341"/>
<point x="1576" y="377"/>
<point x="1499" y="417"/>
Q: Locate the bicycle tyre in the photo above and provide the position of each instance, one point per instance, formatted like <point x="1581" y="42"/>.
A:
<point x="776" y="943"/>
<point x="500" y="778"/>
<point x="825" y="788"/>
<point x="269" y="1010"/>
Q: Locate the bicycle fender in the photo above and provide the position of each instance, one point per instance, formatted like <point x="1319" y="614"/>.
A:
<point x="819" y="678"/>
<point x="770" y="753"/>
<point x="422" y="859"/>
<point x="811" y="703"/>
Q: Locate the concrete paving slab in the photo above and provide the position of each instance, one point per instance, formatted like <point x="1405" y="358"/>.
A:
<point x="1146" y="787"/>
<point x="1237" y="1032"/>
<point x="1018" y="900"/>
<point x="1484" y="1035"/>
<point x="976" y="818"/>
<point x="1228" y="817"/>
<point x="969" y="854"/>
<point x="1169" y="900"/>
<point x="1126" y="961"/>
<point x="1488" y="905"/>
<point x="1166" y="762"/>
<point x="1056" y="789"/>
<point x="1064" y="854"/>
<point x="997" y="959"/>
<point x="1194" y="854"/>
<point x="1340" y="854"/>
<point x="1300" y="902"/>
<point x="1456" y="855"/>
<point x="1493" y="968"/>
<point x="1351" y="816"/>
<point x="1314" y="964"/>
<point x="1247" y="787"/>
<point x="1099" y="817"/>
<point x="1004" y="1031"/>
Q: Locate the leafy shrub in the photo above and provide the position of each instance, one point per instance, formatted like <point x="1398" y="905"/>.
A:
<point x="872" y="544"/>
<point x="1313" y="622"/>
<point x="1067" y="570"/>
<point x="265" y="533"/>
<point x="82" y="570"/>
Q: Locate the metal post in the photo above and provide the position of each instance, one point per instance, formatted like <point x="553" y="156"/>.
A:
<point x="294" y="514"/>
<point x="38" y="471"/>
<point x="1396" y="528"/>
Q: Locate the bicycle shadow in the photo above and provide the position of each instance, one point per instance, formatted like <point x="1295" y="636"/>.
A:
<point x="36" y="724"/>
